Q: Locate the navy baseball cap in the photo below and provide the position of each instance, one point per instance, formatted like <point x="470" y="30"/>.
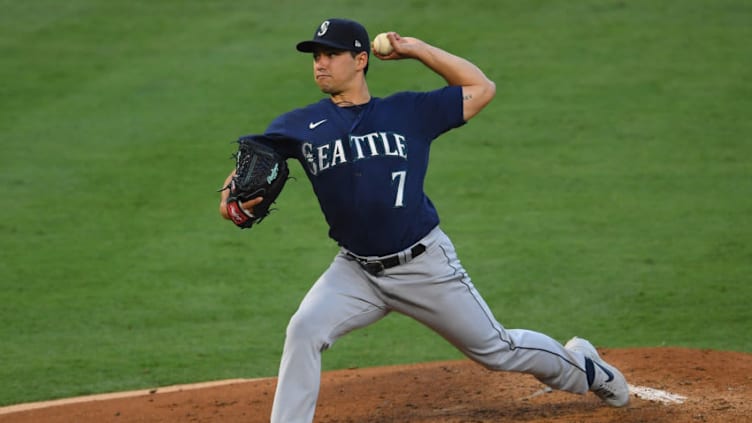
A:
<point x="340" y="34"/>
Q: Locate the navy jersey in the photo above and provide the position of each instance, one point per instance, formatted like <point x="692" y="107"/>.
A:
<point x="367" y="164"/>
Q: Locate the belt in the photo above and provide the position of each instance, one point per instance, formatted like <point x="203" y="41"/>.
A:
<point x="376" y="267"/>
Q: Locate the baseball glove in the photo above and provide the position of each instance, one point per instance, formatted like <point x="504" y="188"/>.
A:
<point x="259" y="172"/>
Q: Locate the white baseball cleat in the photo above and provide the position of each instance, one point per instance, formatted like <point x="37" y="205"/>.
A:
<point x="608" y="382"/>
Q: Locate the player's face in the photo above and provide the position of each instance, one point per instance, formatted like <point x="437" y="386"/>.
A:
<point x="334" y="70"/>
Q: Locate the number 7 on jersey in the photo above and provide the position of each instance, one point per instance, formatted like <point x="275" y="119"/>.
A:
<point x="400" y="176"/>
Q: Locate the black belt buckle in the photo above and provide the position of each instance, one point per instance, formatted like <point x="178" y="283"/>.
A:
<point x="375" y="268"/>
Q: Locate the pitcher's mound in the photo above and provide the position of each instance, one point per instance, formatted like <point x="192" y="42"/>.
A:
<point x="668" y="385"/>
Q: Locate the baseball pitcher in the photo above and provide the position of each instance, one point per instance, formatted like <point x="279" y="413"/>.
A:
<point x="366" y="158"/>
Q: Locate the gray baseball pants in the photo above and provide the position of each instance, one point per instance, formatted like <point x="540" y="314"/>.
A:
<point x="432" y="288"/>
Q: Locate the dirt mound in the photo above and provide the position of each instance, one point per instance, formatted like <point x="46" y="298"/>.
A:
<point x="668" y="385"/>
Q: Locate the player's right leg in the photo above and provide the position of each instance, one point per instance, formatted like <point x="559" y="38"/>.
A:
<point x="445" y="299"/>
<point x="339" y="302"/>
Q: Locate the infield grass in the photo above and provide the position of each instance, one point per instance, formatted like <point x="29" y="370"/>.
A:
<point x="605" y="193"/>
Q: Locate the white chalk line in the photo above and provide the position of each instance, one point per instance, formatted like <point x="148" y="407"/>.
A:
<point x="652" y="394"/>
<point x="642" y="392"/>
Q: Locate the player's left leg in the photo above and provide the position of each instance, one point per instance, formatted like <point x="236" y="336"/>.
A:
<point x="435" y="290"/>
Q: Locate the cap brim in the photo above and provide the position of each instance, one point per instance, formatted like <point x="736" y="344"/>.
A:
<point x="309" y="46"/>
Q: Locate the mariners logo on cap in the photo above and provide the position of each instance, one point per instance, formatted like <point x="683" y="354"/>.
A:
<point x="323" y="28"/>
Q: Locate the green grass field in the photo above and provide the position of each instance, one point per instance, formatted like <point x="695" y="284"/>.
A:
<point x="606" y="192"/>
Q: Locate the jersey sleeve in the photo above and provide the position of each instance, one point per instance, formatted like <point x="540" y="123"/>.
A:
<point x="285" y="142"/>
<point x="440" y="110"/>
<point x="277" y="126"/>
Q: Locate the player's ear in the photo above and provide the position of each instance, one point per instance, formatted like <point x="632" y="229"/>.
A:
<point x="361" y="60"/>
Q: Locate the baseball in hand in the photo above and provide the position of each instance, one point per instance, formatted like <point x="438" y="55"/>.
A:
<point x="381" y="44"/>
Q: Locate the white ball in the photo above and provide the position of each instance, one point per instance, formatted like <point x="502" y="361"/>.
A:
<point x="382" y="45"/>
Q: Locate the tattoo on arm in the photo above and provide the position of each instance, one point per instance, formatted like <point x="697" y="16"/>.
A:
<point x="467" y="97"/>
